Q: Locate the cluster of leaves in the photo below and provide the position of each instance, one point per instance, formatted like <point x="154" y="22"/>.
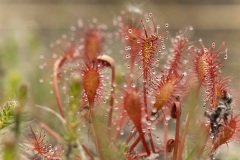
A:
<point x="129" y="119"/>
<point x="7" y="113"/>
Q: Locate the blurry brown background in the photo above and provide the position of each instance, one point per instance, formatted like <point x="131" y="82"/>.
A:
<point x="215" y="20"/>
<point x="27" y="27"/>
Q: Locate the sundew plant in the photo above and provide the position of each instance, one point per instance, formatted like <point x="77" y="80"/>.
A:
<point x="162" y="96"/>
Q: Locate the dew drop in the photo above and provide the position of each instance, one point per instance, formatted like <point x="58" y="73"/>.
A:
<point x="212" y="136"/>
<point x="128" y="56"/>
<point x="213" y="45"/>
<point x="166" y="25"/>
<point x="168" y="118"/>
<point x="149" y="123"/>
<point x="133" y="85"/>
<point x="166" y="123"/>
<point x="73" y="28"/>
<point x="54" y="56"/>
<point x="226" y="56"/>
<point x="144" y="130"/>
<point x="147" y="19"/>
<point x="153" y="102"/>
<point x="121" y="132"/>
<point x="152" y="118"/>
<point x="64" y="88"/>
<point x="58" y="41"/>
<point x="150" y="14"/>
<point x="41" y="80"/>
<point x="185" y="74"/>
<point x="41" y="66"/>
<point x="64" y="36"/>
<point x="129" y="30"/>
<point x="51" y="45"/>
<point x="185" y="61"/>
<point x="126" y="37"/>
<point x="153" y="127"/>
<point x="41" y="56"/>
<point x="190" y="28"/>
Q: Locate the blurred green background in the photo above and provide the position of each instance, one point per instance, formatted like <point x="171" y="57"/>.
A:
<point x="27" y="28"/>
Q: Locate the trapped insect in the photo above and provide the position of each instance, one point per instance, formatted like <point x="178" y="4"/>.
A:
<point x="220" y="115"/>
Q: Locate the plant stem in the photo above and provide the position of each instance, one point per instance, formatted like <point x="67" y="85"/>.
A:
<point x="190" y="109"/>
<point x="178" y="114"/>
<point x="140" y="137"/>
<point x="108" y="61"/>
<point x="134" y="144"/>
<point x="97" y="139"/>
<point x="57" y="64"/>
<point x="165" y="128"/>
<point x="145" y="95"/>
<point x="183" y="137"/>
<point x="53" y="112"/>
<point x="151" y="143"/>
<point x="111" y="101"/>
<point x="88" y="152"/>
<point x="145" y="144"/>
<point x="203" y="143"/>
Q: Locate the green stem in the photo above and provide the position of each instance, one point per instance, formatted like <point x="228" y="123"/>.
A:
<point x="183" y="137"/>
<point x="190" y="116"/>
<point x="96" y="137"/>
